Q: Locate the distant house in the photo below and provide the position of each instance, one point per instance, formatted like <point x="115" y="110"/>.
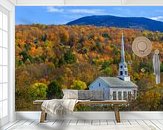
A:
<point x="117" y="88"/>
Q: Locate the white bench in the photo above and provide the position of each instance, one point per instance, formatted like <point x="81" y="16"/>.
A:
<point x="115" y="104"/>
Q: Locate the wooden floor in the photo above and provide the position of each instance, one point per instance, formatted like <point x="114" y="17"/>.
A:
<point x="158" y="124"/>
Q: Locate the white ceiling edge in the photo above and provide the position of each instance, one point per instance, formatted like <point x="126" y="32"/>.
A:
<point x="68" y="2"/>
<point x="143" y="2"/>
<point x="39" y="2"/>
<point x="87" y="2"/>
<point x="93" y="2"/>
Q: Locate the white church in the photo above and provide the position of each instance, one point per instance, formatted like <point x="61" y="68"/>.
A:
<point x="117" y="88"/>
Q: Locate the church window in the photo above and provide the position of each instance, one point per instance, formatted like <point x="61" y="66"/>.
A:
<point x="125" y="72"/>
<point x="121" y="72"/>
<point x="124" y="95"/>
<point x="99" y="84"/>
<point x="129" y="95"/>
<point x="114" y="95"/>
<point x="119" y="95"/>
<point x="121" y="66"/>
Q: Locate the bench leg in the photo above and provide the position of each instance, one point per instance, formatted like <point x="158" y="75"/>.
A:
<point x="117" y="114"/>
<point x="43" y="116"/>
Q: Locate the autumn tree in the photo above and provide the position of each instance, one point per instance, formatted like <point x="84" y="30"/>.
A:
<point x="69" y="57"/>
<point x="150" y="100"/>
<point x="78" y="85"/>
<point x="38" y="91"/>
<point x="64" y="36"/>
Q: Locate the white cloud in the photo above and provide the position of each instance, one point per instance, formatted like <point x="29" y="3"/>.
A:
<point x="52" y="9"/>
<point x="158" y="18"/>
<point x="88" y="11"/>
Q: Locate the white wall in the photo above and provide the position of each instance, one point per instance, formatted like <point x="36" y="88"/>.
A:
<point x="8" y="5"/>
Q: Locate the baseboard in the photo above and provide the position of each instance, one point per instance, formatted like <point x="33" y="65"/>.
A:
<point x="95" y="115"/>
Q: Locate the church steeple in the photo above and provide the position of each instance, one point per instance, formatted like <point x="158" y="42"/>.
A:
<point x="123" y="70"/>
<point x="122" y="50"/>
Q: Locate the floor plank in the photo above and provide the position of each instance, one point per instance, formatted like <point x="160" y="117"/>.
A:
<point x="111" y="122"/>
<point x="58" y="122"/>
<point x="141" y="122"/>
<point x="65" y="122"/>
<point x="19" y="123"/>
<point x="80" y="122"/>
<point x="35" y="122"/>
<point x="158" y="124"/>
<point x="125" y="122"/>
<point x="161" y="121"/>
<point x="28" y="122"/>
<point x="88" y="122"/>
<point x="95" y="122"/>
<point x="73" y="122"/>
<point x="9" y="125"/>
<point x="133" y="122"/>
<point x="149" y="123"/>
<point x="103" y="122"/>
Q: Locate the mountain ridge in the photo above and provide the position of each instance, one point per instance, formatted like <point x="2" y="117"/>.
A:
<point x="140" y="23"/>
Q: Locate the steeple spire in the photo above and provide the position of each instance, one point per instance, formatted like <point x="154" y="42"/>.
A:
<point x="123" y="70"/>
<point x="122" y="49"/>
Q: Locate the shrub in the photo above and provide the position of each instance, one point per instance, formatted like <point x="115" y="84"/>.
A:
<point x="78" y="85"/>
<point x="38" y="91"/>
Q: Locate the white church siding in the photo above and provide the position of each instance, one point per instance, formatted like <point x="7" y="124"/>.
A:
<point x="110" y="85"/>
<point x="99" y="84"/>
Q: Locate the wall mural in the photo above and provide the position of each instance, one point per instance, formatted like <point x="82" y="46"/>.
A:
<point x="90" y="53"/>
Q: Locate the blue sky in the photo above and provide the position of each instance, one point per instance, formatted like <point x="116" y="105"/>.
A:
<point x="63" y="14"/>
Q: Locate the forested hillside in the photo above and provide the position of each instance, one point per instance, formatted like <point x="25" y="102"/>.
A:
<point x="74" y="56"/>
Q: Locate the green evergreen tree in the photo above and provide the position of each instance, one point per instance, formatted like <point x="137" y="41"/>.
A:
<point x="54" y="90"/>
